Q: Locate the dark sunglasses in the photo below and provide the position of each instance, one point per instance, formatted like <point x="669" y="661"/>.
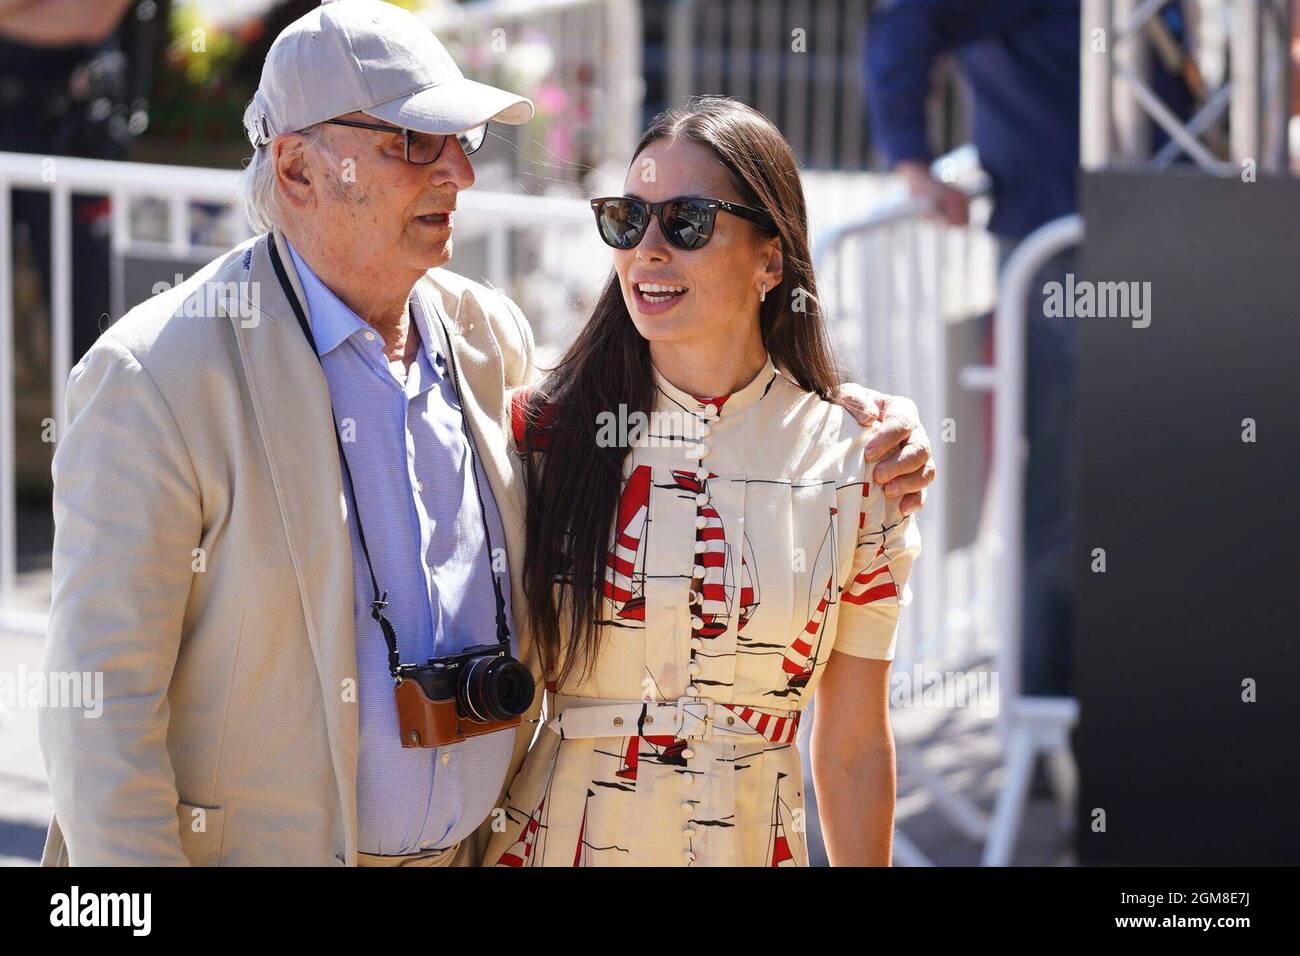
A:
<point x="687" y="221"/>
<point x="421" y="149"/>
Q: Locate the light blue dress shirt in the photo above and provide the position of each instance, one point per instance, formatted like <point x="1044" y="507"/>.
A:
<point x="410" y="466"/>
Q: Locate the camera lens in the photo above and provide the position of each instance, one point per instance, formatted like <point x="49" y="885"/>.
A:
<point x="496" y="688"/>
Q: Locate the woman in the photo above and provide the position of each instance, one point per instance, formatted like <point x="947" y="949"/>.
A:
<point x="752" y="562"/>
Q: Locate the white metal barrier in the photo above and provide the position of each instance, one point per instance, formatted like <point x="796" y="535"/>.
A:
<point x="893" y="283"/>
<point x="492" y="218"/>
<point x="890" y="283"/>
<point x="1027" y="725"/>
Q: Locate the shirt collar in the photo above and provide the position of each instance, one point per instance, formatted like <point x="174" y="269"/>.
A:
<point x="724" y="405"/>
<point x="332" y="321"/>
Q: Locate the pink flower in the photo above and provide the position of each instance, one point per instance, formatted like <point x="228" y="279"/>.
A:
<point x="550" y="99"/>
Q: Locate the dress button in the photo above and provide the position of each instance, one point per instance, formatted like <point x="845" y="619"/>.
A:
<point x="696" y="643"/>
<point x="701" y="474"/>
<point x="699" y="546"/>
<point x="693" y="667"/>
<point x="419" y="485"/>
<point x="697" y="622"/>
<point x="693" y="690"/>
<point x="370" y="336"/>
<point x="688" y="833"/>
<point x="698" y="571"/>
<point x="688" y="777"/>
<point x="446" y="758"/>
<point x="701" y="522"/>
<point x="618" y="721"/>
<point x="701" y="499"/>
<point x="702" y="451"/>
<point x="711" y="410"/>
<point x="687" y="806"/>
<point x="689" y="856"/>
<point x="688" y="754"/>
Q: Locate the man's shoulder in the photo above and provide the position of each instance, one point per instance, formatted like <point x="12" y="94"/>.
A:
<point x="464" y="301"/>
<point x="458" y="291"/>
<point x="193" y="310"/>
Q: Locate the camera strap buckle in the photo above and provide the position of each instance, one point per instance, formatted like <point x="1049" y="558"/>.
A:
<point x="694" y="717"/>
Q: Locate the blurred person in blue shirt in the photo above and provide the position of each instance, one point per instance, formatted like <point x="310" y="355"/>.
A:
<point x="1020" y="59"/>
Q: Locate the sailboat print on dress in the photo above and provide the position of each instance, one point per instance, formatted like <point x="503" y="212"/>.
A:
<point x="664" y="749"/>
<point x="714" y="590"/>
<point x="771" y="727"/>
<point x="520" y="853"/>
<point x="750" y="594"/>
<point x="800" y="658"/>
<point x="530" y="847"/>
<point x="875" y="582"/>
<point x="582" y="853"/>
<point x="778" y="847"/>
<point x="625" y="567"/>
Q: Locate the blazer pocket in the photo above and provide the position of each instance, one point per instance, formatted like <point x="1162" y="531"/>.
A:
<point x="200" y="829"/>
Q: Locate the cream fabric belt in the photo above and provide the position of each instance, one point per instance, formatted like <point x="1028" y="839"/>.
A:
<point x="690" y="718"/>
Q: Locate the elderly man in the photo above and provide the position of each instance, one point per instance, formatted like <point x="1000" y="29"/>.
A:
<point x="251" y="534"/>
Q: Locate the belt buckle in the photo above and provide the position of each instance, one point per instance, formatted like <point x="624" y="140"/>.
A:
<point x="707" y="719"/>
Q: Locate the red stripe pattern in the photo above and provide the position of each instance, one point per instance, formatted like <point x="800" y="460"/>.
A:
<point x="771" y="727"/>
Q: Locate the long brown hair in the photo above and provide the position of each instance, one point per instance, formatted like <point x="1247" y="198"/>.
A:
<point x="573" y="488"/>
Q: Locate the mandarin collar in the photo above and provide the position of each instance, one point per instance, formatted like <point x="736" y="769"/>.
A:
<point x="722" y="405"/>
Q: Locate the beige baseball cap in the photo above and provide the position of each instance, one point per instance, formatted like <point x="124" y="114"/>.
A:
<point x="372" y="57"/>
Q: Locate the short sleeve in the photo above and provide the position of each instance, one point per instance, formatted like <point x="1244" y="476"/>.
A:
<point x="877" y="587"/>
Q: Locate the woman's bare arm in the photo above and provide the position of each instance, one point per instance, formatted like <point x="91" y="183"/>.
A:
<point x="853" y="761"/>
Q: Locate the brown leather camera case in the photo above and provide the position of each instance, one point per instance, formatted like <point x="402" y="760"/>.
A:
<point x="435" y="723"/>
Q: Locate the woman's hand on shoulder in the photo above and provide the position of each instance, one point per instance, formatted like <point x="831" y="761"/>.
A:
<point x="898" y="445"/>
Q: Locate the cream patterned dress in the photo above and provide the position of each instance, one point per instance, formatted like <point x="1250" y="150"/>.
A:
<point x="748" y="545"/>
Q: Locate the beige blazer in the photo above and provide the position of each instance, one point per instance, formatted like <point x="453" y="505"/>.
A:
<point x="202" y="564"/>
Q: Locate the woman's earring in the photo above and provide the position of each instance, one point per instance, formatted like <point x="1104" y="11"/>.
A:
<point x="762" y="292"/>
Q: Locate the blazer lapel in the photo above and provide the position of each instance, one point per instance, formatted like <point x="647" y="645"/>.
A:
<point x="291" y="402"/>
<point x="482" y="396"/>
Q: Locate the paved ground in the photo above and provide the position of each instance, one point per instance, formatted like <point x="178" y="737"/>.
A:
<point x="958" y="745"/>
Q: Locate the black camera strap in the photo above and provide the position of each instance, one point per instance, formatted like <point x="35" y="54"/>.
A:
<point x="381" y="597"/>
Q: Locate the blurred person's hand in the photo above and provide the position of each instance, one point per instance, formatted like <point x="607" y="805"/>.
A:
<point x="949" y="203"/>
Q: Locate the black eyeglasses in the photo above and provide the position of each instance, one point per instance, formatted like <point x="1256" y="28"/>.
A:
<point x="687" y="221"/>
<point x="421" y="149"/>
